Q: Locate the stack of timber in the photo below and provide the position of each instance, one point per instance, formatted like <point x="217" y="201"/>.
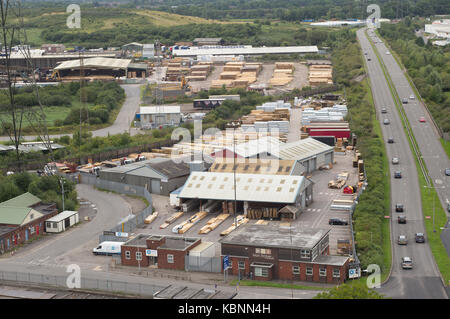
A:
<point x="240" y="220"/>
<point x="320" y="74"/>
<point x="265" y="212"/>
<point x="211" y="206"/>
<point x="151" y="218"/>
<point x="213" y="223"/>
<point x="171" y="219"/>
<point x="282" y="74"/>
<point x="187" y="224"/>
<point x="339" y="182"/>
<point x="190" y="205"/>
<point x="262" y="222"/>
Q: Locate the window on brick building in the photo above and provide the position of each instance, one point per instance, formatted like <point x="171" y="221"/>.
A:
<point x="261" y="272"/>
<point x="322" y="271"/>
<point x="263" y="251"/>
<point x="170" y="259"/>
<point x="336" y="272"/>
<point x="309" y="271"/>
<point x="304" y="253"/>
<point x="241" y="265"/>
<point x="138" y="255"/>
<point x="127" y="254"/>
<point x="296" y="270"/>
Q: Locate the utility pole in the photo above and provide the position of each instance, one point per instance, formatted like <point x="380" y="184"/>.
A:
<point x="61" y="181"/>
<point x="434" y="206"/>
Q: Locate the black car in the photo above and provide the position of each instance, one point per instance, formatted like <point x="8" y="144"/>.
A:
<point x="383" y="110"/>
<point x="337" y="221"/>
<point x="420" y="238"/>
<point x="390" y="140"/>
<point x="397" y="174"/>
<point x="402" y="219"/>
<point x="399" y="208"/>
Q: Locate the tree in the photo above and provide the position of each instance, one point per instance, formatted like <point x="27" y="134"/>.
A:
<point x="346" y="291"/>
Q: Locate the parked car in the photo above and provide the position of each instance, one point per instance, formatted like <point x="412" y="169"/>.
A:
<point x="447" y="171"/>
<point x="337" y="221"/>
<point x="395" y="160"/>
<point x="407" y="263"/>
<point x="402" y="240"/>
<point x="391" y="140"/>
<point x="399" y="208"/>
<point x="383" y="110"/>
<point x="386" y="121"/>
<point x="401" y="219"/>
<point x="405" y="100"/>
<point x="108" y="248"/>
<point x="397" y="174"/>
<point x="420" y="238"/>
<point x="422" y="119"/>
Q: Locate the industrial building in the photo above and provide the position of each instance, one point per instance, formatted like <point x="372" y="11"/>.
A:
<point x="62" y="221"/>
<point x="255" y="193"/>
<point x="148" y="51"/>
<point x="208" y="41"/>
<point x="161" y="115"/>
<point x="158" y="175"/>
<point x="245" y="51"/>
<point x="53" y="48"/>
<point x="267" y="252"/>
<point x="265" y="147"/>
<point x="100" y="69"/>
<point x="278" y="167"/>
<point x="21" y="219"/>
<point x="166" y="252"/>
<point x="309" y="152"/>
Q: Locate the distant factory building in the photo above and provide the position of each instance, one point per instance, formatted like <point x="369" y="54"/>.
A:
<point x="148" y="51"/>
<point x="208" y="41"/>
<point x="244" y="50"/>
<point x="53" y="48"/>
<point x="133" y="47"/>
<point x="160" y="115"/>
<point x="268" y="252"/>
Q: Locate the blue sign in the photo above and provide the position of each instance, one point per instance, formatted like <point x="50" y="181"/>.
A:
<point x="226" y="262"/>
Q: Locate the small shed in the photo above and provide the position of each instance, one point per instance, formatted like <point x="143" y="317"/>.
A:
<point x="60" y="222"/>
<point x="174" y="199"/>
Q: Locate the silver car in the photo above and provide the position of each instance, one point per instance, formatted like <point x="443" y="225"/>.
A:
<point x="402" y="240"/>
<point x="386" y="122"/>
<point x="395" y="160"/>
<point x="407" y="263"/>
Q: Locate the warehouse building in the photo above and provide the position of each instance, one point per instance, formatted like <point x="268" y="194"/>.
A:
<point x="166" y="252"/>
<point x="148" y="51"/>
<point x="157" y="175"/>
<point x="244" y="51"/>
<point x="208" y="41"/>
<point x="257" y="195"/>
<point x="162" y="115"/>
<point x="267" y="252"/>
<point x="21" y="219"/>
<point x="266" y="147"/>
<point x="278" y="167"/>
<point x="309" y="152"/>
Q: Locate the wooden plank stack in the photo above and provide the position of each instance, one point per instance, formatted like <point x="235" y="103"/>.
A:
<point x="282" y="74"/>
<point x="187" y="224"/>
<point x="320" y="74"/>
<point x="213" y="223"/>
<point x="265" y="212"/>
<point x="240" y="221"/>
<point x="151" y="218"/>
<point x="171" y="219"/>
<point x="262" y="222"/>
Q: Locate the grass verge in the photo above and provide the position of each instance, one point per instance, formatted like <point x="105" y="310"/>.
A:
<point x="272" y="284"/>
<point x="446" y="146"/>
<point x="427" y="195"/>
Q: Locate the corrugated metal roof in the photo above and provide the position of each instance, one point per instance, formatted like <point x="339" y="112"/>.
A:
<point x="145" y="171"/>
<point x="267" y="144"/>
<point x="249" y="187"/>
<point x="303" y="149"/>
<point x="12" y="215"/>
<point x="98" y="62"/>
<point x="25" y="200"/>
<point x="247" y="51"/>
<point x="170" y="169"/>
<point x="160" y="109"/>
<point x="279" y="167"/>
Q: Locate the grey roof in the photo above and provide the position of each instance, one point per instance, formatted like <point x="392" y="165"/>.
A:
<point x="140" y="240"/>
<point x="250" y="187"/>
<point x="177" y="243"/>
<point x="61" y="216"/>
<point x="275" y="236"/>
<point x="170" y="169"/>
<point x="303" y="149"/>
<point x="207" y="39"/>
<point x="246" y="51"/>
<point x="6" y="148"/>
<point x="331" y="260"/>
<point x="145" y="171"/>
<point x="98" y="62"/>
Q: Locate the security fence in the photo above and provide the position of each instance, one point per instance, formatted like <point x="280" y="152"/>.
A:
<point x="113" y="286"/>
<point x="204" y="264"/>
<point x="129" y="223"/>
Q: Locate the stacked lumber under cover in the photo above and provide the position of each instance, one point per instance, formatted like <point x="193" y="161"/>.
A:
<point x="187" y="224"/>
<point x="265" y="212"/>
<point x="171" y="219"/>
<point x="241" y="219"/>
<point x="213" y="223"/>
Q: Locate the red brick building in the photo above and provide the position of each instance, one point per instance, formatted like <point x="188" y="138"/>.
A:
<point x="21" y="219"/>
<point x="166" y="252"/>
<point x="266" y="252"/>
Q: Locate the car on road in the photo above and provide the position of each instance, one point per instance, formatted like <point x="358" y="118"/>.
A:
<point x="365" y="53"/>
<point x="387" y="52"/>
<point x="383" y="110"/>
<point x="397" y="174"/>
<point x="368" y="59"/>
<point x="420" y="238"/>
<point x="422" y="119"/>
<point x="395" y="160"/>
<point x="447" y="171"/>
<point x="399" y="208"/>
<point x="386" y="121"/>
<point x="337" y="221"/>
<point x="402" y="240"/>
<point x="391" y="140"/>
<point x="401" y="219"/>
<point x="405" y="100"/>
<point x="407" y="263"/>
<point x="412" y="97"/>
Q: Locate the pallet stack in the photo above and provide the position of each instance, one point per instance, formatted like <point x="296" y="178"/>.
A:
<point x="171" y="219"/>
<point x="213" y="223"/>
<point x="151" y="218"/>
<point x="240" y="221"/>
<point x="282" y="74"/>
<point x="320" y="74"/>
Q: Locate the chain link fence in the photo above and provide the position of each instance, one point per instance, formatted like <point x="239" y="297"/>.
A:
<point x="203" y="264"/>
<point x="113" y="286"/>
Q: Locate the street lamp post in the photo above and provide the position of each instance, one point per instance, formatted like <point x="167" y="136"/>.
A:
<point x="434" y="206"/>
<point x="61" y="181"/>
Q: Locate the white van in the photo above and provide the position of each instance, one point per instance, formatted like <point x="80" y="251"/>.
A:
<point x="108" y="248"/>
